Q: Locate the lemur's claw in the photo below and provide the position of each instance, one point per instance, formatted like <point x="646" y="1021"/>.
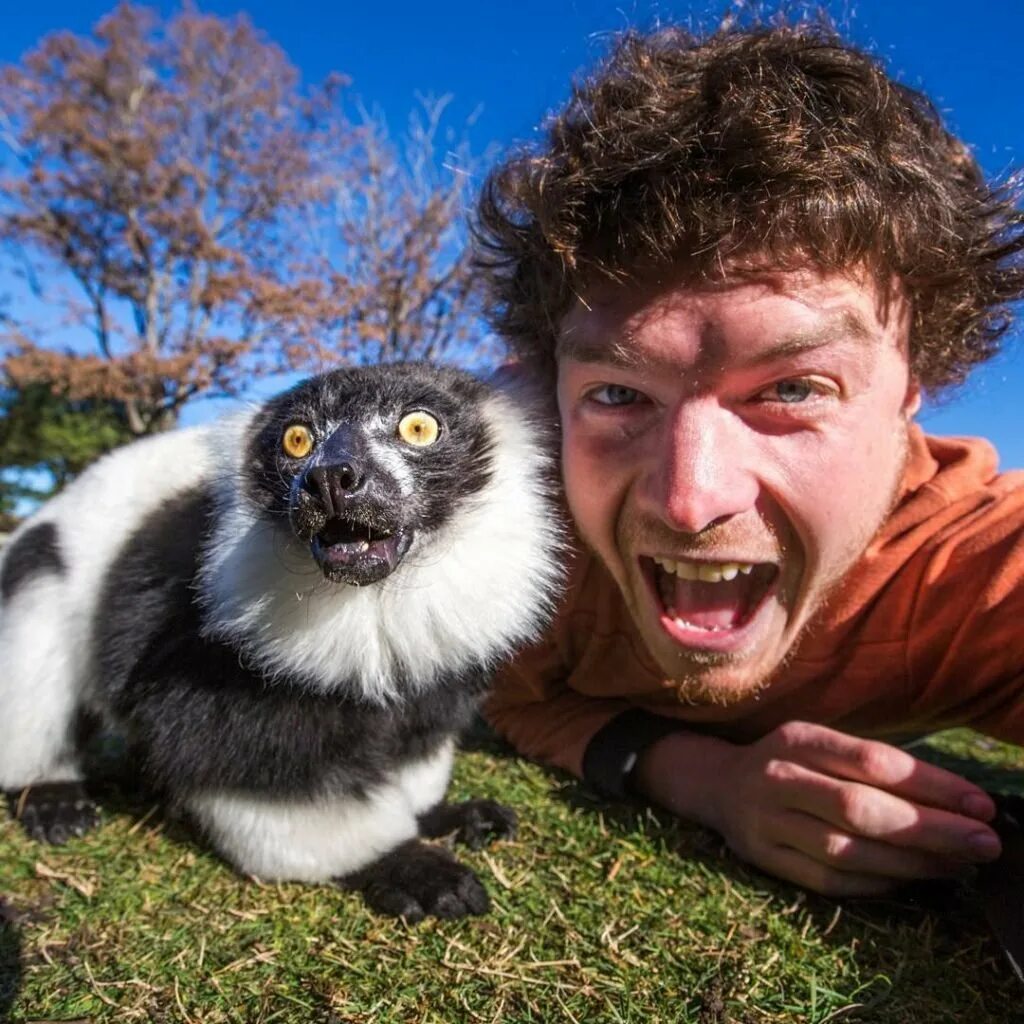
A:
<point x="474" y="823"/>
<point x="418" y="880"/>
<point x="485" y="822"/>
<point x="54" y="812"/>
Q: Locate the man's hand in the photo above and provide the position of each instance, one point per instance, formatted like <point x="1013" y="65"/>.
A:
<point x="839" y="815"/>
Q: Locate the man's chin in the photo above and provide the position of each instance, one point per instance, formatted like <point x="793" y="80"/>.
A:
<point x="712" y="677"/>
<point x="712" y="689"/>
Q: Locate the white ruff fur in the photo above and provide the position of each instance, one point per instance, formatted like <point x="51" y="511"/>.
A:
<point x="471" y="591"/>
<point x="321" y="839"/>
<point x="46" y="667"/>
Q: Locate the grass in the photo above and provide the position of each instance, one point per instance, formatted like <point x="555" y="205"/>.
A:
<point x="599" y="914"/>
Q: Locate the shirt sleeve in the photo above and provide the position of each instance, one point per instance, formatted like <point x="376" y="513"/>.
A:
<point x="966" y="650"/>
<point x="533" y="708"/>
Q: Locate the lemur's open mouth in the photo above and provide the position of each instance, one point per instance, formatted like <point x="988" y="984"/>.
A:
<point x="358" y="551"/>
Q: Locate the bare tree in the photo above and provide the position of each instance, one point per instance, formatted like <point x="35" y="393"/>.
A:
<point x="391" y="237"/>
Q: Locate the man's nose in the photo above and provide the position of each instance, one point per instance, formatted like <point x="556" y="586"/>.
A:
<point x="704" y="471"/>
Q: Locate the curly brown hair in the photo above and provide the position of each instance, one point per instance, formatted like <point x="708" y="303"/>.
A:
<point x="765" y="146"/>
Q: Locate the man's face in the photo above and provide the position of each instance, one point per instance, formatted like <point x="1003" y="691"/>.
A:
<point x="728" y="453"/>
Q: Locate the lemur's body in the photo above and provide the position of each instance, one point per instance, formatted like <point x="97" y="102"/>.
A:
<point x="290" y="639"/>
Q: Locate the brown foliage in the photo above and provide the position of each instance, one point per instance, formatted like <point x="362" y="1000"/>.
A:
<point x="190" y="197"/>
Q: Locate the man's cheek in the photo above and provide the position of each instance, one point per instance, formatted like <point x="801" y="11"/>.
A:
<point x="596" y="458"/>
<point x="595" y="449"/>
<point x="591" y="492"/>
<point x="583" y="492"/>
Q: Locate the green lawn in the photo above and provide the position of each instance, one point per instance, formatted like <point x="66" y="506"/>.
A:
<point x="599" y="914"/>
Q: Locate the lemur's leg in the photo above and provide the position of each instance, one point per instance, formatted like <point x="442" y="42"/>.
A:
<point x="415" y="880"/>
<point x="40" y="690"/>
<point x="475" y="823"/>
<point x="307" y="840"/>
<point x="425" y="781"/>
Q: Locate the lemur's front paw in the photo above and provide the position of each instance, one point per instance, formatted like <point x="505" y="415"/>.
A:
<point x="474" y="823"/>
<point x="417" y="880"/>
<point x="54" y="812"/>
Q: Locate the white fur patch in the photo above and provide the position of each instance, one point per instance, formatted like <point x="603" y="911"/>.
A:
<point x="393" y="464"/>
<point x="471" y="591"/>
<point x="324" y="838"/>
<point x="38" y="687"/>
<point x="425" y="782"/>
<point x="46" y="628"/>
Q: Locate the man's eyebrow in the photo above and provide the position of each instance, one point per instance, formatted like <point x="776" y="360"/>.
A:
<point x="844" y="326"/>
<point x="585" y="348"/>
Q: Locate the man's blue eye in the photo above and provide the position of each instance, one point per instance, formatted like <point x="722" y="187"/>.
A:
<point x="614" y="394"/>
<point x="791" y="391"/>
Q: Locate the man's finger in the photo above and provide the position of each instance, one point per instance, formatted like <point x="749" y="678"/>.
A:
<point x="876" y="814"/>
<point x="887" y="767"/>
<point x="848" y="853"/>
<point x="795" y="866"/>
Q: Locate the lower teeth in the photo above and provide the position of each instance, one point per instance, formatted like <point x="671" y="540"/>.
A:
<point x="693" y="625"/>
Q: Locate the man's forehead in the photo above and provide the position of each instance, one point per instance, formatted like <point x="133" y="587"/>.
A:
<point x="782" y="314"/>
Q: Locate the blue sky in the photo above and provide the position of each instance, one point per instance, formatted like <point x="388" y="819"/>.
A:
<point x="514" y="63"/>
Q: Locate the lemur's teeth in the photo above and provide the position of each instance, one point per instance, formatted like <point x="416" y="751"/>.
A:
<point x="707" y="572"/>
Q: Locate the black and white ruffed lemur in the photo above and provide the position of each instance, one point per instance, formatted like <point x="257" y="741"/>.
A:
<point x="289" y="614"/>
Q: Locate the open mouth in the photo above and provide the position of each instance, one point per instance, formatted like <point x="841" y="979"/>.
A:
<point x="711" y="598"/>
<point x="352" y="551"/>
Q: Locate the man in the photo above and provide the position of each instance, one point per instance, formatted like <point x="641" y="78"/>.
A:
<point x="743" y="258"/>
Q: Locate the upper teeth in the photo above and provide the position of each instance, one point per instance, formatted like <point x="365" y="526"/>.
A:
<point x="709" y="572"/>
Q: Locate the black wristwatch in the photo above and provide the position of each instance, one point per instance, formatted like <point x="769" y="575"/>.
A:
<point x="614" y="750"/>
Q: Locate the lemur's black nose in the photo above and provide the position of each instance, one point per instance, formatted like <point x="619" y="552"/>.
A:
<point x="333" y="484"/>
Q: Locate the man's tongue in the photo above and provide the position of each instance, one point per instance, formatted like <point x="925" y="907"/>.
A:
<point x="720" y="605"/>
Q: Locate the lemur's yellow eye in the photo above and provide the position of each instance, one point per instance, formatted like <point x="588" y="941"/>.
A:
<point x="297" y="441"/>
<point x="419" y="429"/>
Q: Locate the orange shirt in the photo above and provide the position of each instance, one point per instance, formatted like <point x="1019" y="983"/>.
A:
<point x="927" y="631"/>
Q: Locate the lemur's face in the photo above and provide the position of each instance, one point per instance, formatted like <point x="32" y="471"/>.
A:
<point x="360" y="463"/>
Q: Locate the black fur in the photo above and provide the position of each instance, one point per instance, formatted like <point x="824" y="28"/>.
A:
<point x="36" y="551"/>
<point x="201" y="717"/>
<point x="474" y="823"/>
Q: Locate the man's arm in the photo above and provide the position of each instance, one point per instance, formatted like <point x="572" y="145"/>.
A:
<point x="834" y="813"/>
<point x="837" y="814"/>
<point x="554" y="729"/>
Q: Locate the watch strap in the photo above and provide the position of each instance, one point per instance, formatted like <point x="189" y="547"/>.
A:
<point x="614" y="750"/>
